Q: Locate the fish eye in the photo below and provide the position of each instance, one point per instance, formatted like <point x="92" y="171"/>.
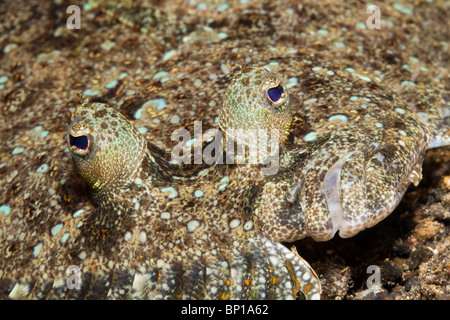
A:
<point x="79" y="144"/>
<point x="275" y="94"/>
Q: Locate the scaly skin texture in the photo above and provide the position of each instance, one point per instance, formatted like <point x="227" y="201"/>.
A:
<point x="158" y="232"/>
<point x="162" y="83"/>
<point x="345" y="169"/>
<point x="250" y="105"/>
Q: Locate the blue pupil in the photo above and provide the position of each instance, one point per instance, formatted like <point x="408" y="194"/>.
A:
<point x="80" y="142"/>
<point x="275" y="93"/>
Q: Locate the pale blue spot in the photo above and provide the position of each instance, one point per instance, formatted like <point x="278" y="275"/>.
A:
<point x="222" y="35"/>
<point x="323" y="32"/>
<point x="271" y="64"/>
<point x="77" y="213"/>
<point x="190" y="142"/>
<point x="316" y="69"/>
<point x="339" y="44"/>
<point x="197" y="82"/>
<point x="235" y="223"/>
<point x="87" y="6"/>
<point x="37" y="248"/>
<point x="175" y="119"/>
<point x="389" y="23"/>
<point x="198" y="193"/>
<point x="413" y="59"/>
<point x="216" y="119"/>
<point x="402" y="143"/>
<point x="10" y="47"/>
<point x="330" y="73"/>
<point x="123" y="75"/>
<point x="3" y="79"/>
<point x="408" y="83"/>
<point x="90" y="93"/>
<point x="17" y="150"/>
<point x="79" y="224"/>
<point x="402" y="9"/>
<point x="361" y="25"/>
<point x="292" y="82"/>
<point x="37" y="128"/>
<point x="192" y="225"/>
<point x="56" y="229"/>
<point x="202" y="6"/>
<point x="425" y="69"/>
<point x="64" y="238"/>
<point x="364" y="78"/>
<point x="5" y="209"/>
<point x="107" y="45"/>
<point x="43" y="134"/>
<point x="112" y="84"/>
<point x="1" y="86"/>
<point x="223" y="7"/>
<point x="159" y="75"/>
<point x="353" y="98"/>
<point x="310" y="136"/>
<point x="165" y="215"/>
<point x="173" y="193"/>
<point x="138" y="113"/>
<point x="363" y="106"/>
<point x="341" y="117"/>
<point x="223" y="183"/>
<point x="309" y="101"/>
<point x="379" y="125"/>
<point x="160" y="103"/>
<point x="406" y="67"/>
<point x="169" y="54"/>
<point x="350" y="69"/>
<point x="400" y="110"/>
<point x="142" y="130"/>
<point x="43" y="168"/>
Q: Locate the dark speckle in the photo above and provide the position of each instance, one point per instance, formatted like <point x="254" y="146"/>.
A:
<point x="418" y="256"/>
<point x="100" y="113"/>
<point x="391" y="274"/>
<point x="403" y="250"/>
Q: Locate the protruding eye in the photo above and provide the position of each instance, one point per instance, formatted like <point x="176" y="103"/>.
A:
<point x="79" y="143"/>
<point x="275" y="94"/>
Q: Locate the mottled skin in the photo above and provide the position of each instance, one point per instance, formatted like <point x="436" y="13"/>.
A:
<point x="51" y="63"/>
<point x="249" y="106"/>
<point x="348" y="162"/>
<point x="174" y="216"/>
<point x="158" y="232"/>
